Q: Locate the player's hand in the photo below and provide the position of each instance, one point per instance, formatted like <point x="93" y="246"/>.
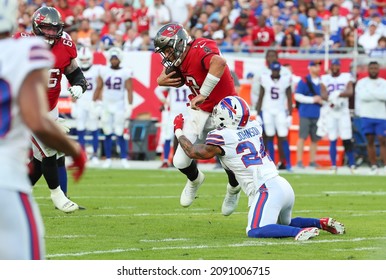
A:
<point x="197" y="101"/>
<point x="63" y="125"/>
<point x="318" y="99"/>
<point x="75" y="91"/>
<point x="167" y="80"/>
<point x="178" y="122"/>
<point x="78" y="165"/>
<point x="95" y="109"/>
<point x="289" y="121"/>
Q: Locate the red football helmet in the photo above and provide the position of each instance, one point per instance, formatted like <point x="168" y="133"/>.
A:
<point x="47" y="22"/>
<point x="171" y="41"/>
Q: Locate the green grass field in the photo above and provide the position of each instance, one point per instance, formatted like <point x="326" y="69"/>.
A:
<point x="135" y="215"/>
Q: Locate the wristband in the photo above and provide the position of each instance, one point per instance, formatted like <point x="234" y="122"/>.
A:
<point x="178" y="133"/>
<point x="208" y="85"/>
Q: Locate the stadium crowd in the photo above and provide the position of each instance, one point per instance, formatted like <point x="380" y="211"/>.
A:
<point x="239" y="25"/>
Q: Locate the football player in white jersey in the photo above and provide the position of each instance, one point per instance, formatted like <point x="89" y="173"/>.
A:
<point x="24" y="109"/>
<point x="275" y="106"/>
<point x="175" y="102"/>
<point x="115" y="89"/>
<point x="336" y="89"/>
<point x="370" y="103"/>
<point x="271" y="56"/>
<point x="238" y="143"/>
<point x="87" y="112"/>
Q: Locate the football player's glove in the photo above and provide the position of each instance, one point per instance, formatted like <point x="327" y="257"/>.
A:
<point x="128" y="111"/>
<point x="78" y="165"/>
<point x="75" y="91"/>
<point x="178" y="125"/>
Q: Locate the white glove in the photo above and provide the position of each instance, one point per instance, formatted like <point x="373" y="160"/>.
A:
<point x="289" y="121"/>
<point x="75" y="91"/>
<point x="63" y="125"/>
<point x="128" y="111"/>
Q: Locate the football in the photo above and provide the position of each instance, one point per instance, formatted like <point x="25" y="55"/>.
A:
<point x="178" y="74"/>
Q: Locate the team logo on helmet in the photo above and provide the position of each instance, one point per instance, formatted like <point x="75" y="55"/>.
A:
<point x="171" y="30"/>
<point x="39" y="18"/>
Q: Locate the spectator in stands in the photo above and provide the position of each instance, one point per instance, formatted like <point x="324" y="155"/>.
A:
<point x="278" y="29"/>
<point x="369" y="40"/>
<point x="109" y="18"/>
<point x="108" y="39"/>
<point x="147" y="42"/>
<point x="381" y="28"/>
<point x="66" y="12"/>
<point x="262" y="35"/>
<point x="241" y="25"/>
<point x="292" y="29"/>
<point x="84" y="33"/>
<point x="336" y="21"/>
<point x="288" y="43"/>
<point x="380" y="50"/>
<point x="140" y="19"/>
<point x="222" y="44"/>
<point x="309" y="99"/>
<point x="133" y="41"/>
<point x="180" y="11"/>
<point x="314" y="22"/>
<point x="95" y="14"/>
<point x="159" y="15"/>
<point x="322" y="12"/>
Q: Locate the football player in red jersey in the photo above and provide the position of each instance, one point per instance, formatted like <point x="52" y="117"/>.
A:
<point x="47" y="23"/>
<point x="209" y="79"/>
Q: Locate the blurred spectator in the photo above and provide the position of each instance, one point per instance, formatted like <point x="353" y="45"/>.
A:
<point x="159" y="15"/>
<point x="355" y="19"/>
<point x="66" y="12"/>
<point x="181" y="11"/>
<point x="117" y="7"/>
<point x="288" y="43"/>
<point x="305" y="44"/>
<point x="119" y="39"/>
<point x="314" y="22"/>
<point x="369" y="40"/>
<point x="336" y="21"/>
<point x="109" y="18"/>
<point x="95" y="42"/>
<point x="262" y="35"/>
<point x="291" y="29"/>
<point x="278" y="29"/>
<point x="241" y="25"/>
<point x="320" y="6"/>
<point x="84" y="33"/>
<point x="380" y="50"/>
<point x="147" y="42"/>
<point x="108" y="40"/>
<point x="140" y="18"/>
<point x="133" y="41"/>
<point x="95" y="15"/>
<point x="381" y="28"/>
<point x="222" y="44"/>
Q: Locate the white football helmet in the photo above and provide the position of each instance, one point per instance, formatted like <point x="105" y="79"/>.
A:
<point x="8" y="16"/>
<point x="231" y="112"/>
<point x="85" y="58"/>
<point x="115" y="51"/>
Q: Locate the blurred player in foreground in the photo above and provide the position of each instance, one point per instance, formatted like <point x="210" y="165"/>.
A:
<point x="238" y="143"/>
<point x="24" y="109"/>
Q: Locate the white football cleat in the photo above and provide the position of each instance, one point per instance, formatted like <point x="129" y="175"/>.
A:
<point x="231" y="200"/>
<point x="125" y="164"/>
<point x="189" y="192"/>
<point x="307" y="233"/>
<point x="61" y="202"/>
<point x="107" y="163"/>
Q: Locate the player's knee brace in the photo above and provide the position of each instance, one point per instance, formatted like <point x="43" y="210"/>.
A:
<point x="348" y="145"/>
